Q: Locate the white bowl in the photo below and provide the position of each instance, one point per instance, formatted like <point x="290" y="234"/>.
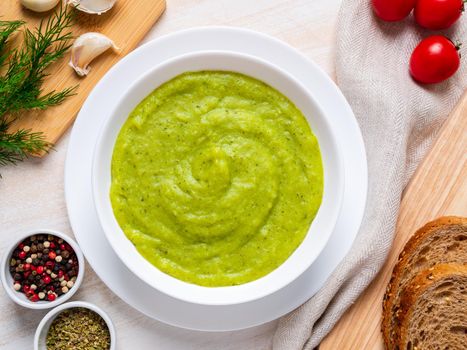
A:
<point x="321" y="227"/>
<point x="20" y="298"/>
<point x="43" y="328"/>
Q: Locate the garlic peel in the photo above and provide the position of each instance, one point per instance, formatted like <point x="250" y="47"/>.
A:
<point x="92" y="6"/>
<point x="39" y="5"/>
<point x="86" y="48"/>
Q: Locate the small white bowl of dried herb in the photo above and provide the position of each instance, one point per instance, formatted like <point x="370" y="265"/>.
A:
<point x="76" y="325"/>
<point x="42" y="269"/>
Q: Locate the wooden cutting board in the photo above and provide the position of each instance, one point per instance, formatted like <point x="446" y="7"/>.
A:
<point x="126" y="23"/>
<point x="438" y="188"/>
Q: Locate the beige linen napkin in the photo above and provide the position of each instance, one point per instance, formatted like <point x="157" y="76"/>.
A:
<point x="399" y="120"/>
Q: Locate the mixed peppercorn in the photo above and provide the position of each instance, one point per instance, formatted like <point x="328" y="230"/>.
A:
<point x="43" y="267"/>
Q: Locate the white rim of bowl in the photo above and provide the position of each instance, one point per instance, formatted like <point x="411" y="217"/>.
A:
<point x="333" y="218"/>
<point x="17" y="297"/>
<point x="70" y="305"/>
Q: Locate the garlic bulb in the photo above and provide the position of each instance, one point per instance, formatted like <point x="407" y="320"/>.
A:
<point x="39" y="5"/>
<point x="87" y="47"/>
<point x="92" y="6"/>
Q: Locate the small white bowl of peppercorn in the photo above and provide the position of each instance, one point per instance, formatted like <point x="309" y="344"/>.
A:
<point x="77" y="325"/>
<point x="42" y="269"/>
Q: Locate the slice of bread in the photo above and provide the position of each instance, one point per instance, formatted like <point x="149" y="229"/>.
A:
<point x="441" y="241"/>
<point x="434" y="310"/>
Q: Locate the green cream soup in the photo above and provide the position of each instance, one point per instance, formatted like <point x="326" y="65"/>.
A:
<point x="216" y="178"/>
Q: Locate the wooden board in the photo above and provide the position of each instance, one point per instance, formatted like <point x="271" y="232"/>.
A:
<point x="424" y="200"/>
<point x="126" y="23"/>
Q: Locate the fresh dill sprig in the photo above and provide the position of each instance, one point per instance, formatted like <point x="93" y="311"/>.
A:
<point x="6" y="29"/>
<point x="17" y="146"/>
<point x="24" y="71"/>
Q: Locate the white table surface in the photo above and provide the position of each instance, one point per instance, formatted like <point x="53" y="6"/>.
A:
<point x="31" y="194"/>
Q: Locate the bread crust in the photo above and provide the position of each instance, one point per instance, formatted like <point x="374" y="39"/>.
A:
<point x="389" y="297"/>
<point x="418" y="285"/>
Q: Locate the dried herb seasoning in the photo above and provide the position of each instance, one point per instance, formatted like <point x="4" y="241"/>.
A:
<point x="78" y="329"/>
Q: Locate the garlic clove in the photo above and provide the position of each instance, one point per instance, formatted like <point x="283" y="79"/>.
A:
<point x="39" y="5"/>
<point x="92" y="6"/>
<point x="87" y="47"/>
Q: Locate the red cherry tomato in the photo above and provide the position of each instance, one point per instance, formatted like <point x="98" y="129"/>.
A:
<point x="438" y="14"/>
<point x="393" y="10"/>
<point x="435" y="59"/>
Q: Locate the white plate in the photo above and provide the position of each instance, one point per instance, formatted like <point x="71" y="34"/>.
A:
<point x="84" y="219"/>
